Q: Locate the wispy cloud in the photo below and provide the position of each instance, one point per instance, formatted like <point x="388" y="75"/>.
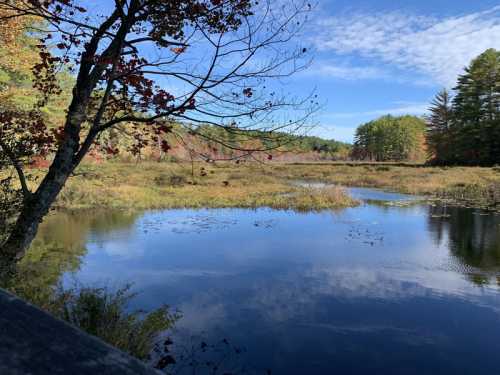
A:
<point x="345" y="72"/>
<point x="437" y="48"/>
<point x="399" y="109"/>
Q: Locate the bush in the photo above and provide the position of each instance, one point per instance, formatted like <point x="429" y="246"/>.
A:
<point x="104" y="313"/>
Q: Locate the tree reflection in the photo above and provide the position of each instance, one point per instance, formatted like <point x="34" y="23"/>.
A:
<point x="473" y="238"/>
<point x="59" y="248"/>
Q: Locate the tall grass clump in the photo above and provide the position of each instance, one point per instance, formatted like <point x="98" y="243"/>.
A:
<point x="311" y="199"/>
<point x="106" y="314"/>
<point x="323" y="198"/>
<point x="485" y="196"/>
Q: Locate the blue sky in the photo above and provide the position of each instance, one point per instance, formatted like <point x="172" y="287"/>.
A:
<point x="374" y="57"/>
<point x="377" y="57"/>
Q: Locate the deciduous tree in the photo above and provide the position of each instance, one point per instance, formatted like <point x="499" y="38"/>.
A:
<point x="141" y="62"/>
<point x="390" y="139"/>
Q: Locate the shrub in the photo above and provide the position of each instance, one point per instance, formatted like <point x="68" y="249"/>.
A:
<point x="105" y="314"/>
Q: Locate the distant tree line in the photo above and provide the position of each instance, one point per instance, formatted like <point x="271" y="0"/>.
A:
<point x="390" y="138"/>
<point x="274" y="143"/>
<point x="464" y="128"/>
<point x="328" y="147"/>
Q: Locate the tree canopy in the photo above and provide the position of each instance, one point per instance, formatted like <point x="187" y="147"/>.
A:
<point x="466" y="128"/>
<point x="390" y="138"/>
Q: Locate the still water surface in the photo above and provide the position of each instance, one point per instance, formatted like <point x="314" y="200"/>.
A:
<point x="375" y="289"/>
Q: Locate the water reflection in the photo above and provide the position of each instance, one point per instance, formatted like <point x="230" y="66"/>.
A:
<point x="377" y="195"/>
<point x="59" y="247"/>
<point x="372" y="289"/>
<point x="472" y="236"/>
<point x="72" y="228"/>
<point x="358" y="321"/>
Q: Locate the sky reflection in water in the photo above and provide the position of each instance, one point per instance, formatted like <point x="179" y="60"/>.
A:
<point x="372" y="289"/>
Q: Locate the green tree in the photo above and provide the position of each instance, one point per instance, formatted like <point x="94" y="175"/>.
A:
<point x="439" y="135"/>
<point x="17" y="56"/>
<point x="477" y="110"/>
<point x="390" y="138"/>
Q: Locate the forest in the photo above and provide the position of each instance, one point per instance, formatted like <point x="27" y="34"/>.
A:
<point x="391" y="139"/>
<point x="464" y="125"/>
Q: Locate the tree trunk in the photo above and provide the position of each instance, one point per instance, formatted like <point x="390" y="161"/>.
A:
<point x="37" y="206"/>
<point x="31" y="215"/>
<point x="69" y="153"/>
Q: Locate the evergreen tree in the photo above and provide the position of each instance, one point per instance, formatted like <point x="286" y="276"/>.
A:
<point x="477" y="109"/>
<point x="439" y="133"/>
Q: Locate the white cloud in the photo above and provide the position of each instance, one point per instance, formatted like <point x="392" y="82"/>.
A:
<point x="350" y="73"/>
<point x="340" y="70"/>
<point x="416" y="109"/>
<point x="437" y="48"/>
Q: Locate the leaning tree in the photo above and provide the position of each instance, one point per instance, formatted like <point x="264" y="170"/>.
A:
<point x="139" y="65"/>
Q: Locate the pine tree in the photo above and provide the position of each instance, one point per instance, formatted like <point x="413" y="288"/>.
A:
<point x="439" y="135"/>
<point x="477" y="109"/>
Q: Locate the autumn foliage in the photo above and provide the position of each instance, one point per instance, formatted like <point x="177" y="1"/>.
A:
<point x="136" y="68"/>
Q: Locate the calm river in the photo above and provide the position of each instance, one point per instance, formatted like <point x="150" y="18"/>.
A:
<point x="383" y="288"/>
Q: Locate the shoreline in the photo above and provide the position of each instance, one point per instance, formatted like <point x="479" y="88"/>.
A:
<point x="167" y="185"/>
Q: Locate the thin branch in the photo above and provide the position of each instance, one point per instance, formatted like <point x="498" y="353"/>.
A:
<point x="22" y="178"/>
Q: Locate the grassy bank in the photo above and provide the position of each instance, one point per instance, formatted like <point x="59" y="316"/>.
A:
<point x="171" y="185"/>
<point x="470" y="186"/>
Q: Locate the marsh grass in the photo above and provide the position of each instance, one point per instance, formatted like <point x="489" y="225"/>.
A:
<point x="103" y="312"/>
<point x="150" y="185"/>
<point x="172" y="185"/>
<point x="471" y="186"/>
<point x="310" y="199"/>
<point x="475" y="195"/>
<point x="106" y="314"/>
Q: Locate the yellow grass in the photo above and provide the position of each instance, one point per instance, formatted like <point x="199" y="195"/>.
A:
<point x="171" y="185"/>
